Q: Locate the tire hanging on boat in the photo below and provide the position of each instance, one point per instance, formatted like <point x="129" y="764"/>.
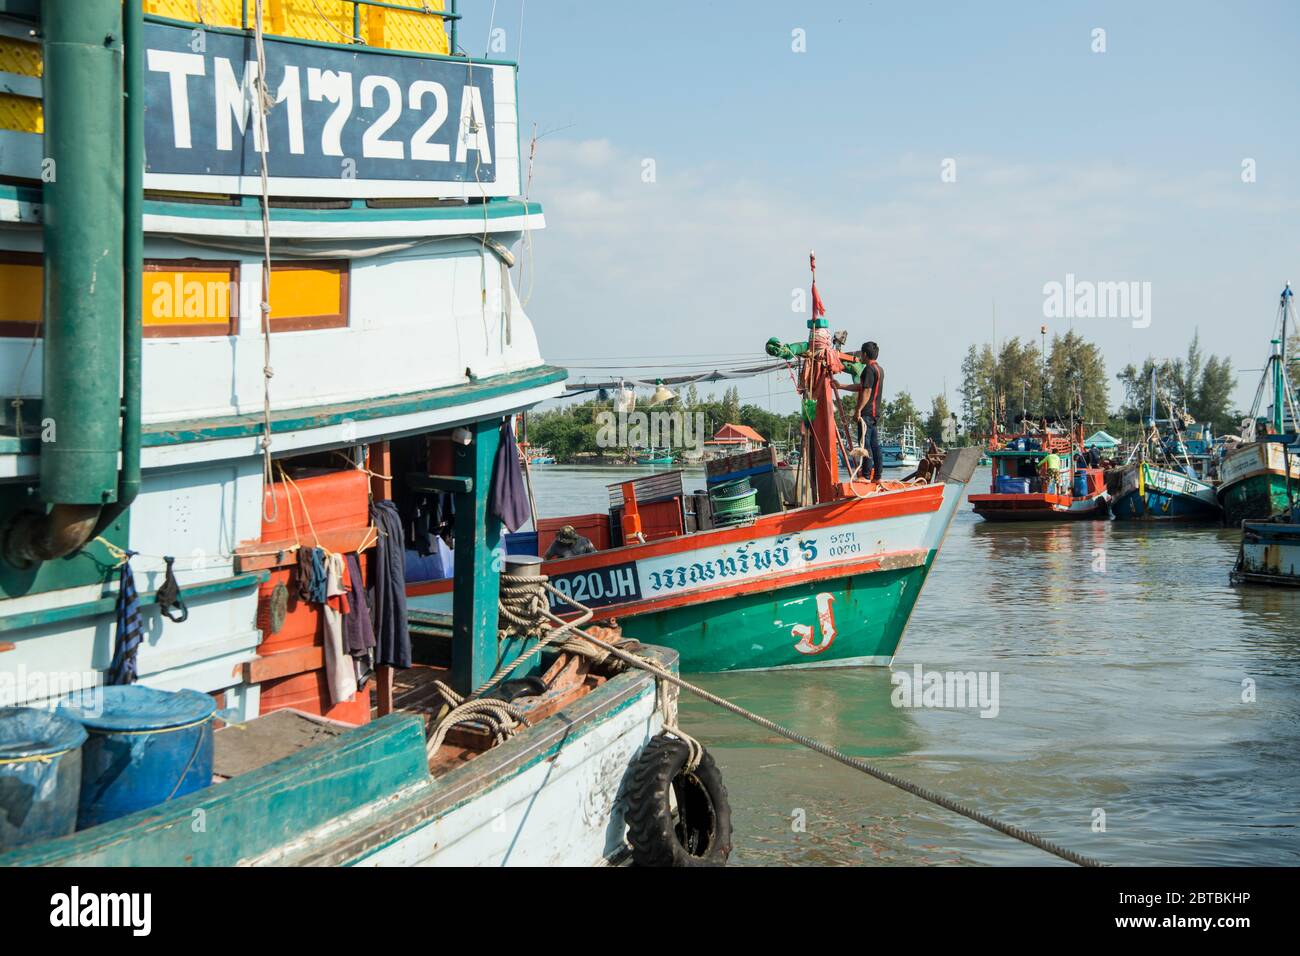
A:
<point x="698" y="831"/>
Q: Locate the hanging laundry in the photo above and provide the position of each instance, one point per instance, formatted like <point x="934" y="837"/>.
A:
<point x="340" y="672"/>
<point x="358" y="631"/>
<point x="388" y="588"/>
<point x="509" y="496"/>
<point x="311" y="575"/>
<point x="130" y="627"/>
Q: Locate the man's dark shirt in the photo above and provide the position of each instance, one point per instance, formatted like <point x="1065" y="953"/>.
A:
<point x="870" y="398"/>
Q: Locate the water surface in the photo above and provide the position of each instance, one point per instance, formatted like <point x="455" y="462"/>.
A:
<point x="1121" y="652"/>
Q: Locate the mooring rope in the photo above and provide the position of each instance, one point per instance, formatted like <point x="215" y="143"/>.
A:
<point x="539" y="585"/>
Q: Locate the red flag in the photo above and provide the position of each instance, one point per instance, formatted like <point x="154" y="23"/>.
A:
<point x="819" y="308"/>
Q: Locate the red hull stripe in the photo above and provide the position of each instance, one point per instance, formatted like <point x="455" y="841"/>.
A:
<point x="922" y="500"/>
<point x="926" y="498"/>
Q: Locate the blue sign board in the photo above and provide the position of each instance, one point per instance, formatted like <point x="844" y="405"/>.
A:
<point x="351" y="117"/>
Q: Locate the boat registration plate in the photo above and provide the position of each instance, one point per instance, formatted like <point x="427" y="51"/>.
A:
<point x="597" y="587"/>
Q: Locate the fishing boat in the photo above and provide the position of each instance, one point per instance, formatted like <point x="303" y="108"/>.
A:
<point x="904" y="451"/>
<point x="766" y="567"/>
<point x="1168" y="476"/>
<point x="1255" y="475"/>
<point x="655" y="457"/>
<point x="1019" y="492"/>
<point x="1270" y="550"/>
<point x="261" y="336"/>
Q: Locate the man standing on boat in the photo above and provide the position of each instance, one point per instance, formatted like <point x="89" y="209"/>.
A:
<point x="870" y="388"/>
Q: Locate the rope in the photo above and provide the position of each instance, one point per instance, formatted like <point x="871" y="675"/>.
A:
<point x="264" y="103"/>
<point x="502" y="718"/>
<point x="931" y="796"/>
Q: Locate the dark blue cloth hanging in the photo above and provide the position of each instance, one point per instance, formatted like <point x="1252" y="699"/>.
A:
<point x="130" y="627"/>
<point x="388" y="588"/>
<point x="509" y="496"/>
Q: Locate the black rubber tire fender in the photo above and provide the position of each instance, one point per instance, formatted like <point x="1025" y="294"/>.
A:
<point x="700" y="833"/>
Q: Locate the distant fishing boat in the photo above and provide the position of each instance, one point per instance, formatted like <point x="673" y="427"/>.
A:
<point x="1255" y="476"/>
<point x="903" y="451"/>
<point x="1154" y="484"/>
<point x="655" y="457"/>
<point x="1147" y="491"/>
<point x="1019" y="493"/>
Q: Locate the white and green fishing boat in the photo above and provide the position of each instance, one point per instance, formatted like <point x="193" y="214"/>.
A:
<point x="256" y="310"/>
<point x="1255" y="477"/>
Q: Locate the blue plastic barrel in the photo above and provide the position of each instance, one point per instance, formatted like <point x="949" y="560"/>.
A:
<point x="1080" y="484"/>
<point x="145" y="746"/>
<point x="40" y="775"/>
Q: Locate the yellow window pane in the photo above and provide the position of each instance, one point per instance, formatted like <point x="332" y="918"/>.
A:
<point x="20" y="293"/>
<point x="308" y="295"/>
<point x="189" y="298"/>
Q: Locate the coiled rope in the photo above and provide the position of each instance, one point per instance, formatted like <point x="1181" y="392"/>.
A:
<point x="539" y="586"/>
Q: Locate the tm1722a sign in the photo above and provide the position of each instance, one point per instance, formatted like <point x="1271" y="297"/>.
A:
<point x="342" y="123"/>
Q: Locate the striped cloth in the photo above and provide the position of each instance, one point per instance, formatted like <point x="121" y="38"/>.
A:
<point x="130" y="628"/>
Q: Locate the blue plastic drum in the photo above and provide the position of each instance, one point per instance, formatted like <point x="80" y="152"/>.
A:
<point x="40" y="775"/>
<point x="1080" y="484"/>
<point x="145" y="747"/>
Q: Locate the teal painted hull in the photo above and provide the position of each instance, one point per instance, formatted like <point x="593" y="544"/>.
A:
<point x="863" y="615"/>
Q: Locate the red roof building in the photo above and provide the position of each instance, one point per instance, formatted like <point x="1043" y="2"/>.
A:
<point x="734" y="440"/>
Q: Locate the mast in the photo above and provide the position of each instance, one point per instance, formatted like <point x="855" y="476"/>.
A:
<point x="1279" y="371"/>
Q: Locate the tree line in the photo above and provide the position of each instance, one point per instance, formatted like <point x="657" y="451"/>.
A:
<point x="1070" y="381"/>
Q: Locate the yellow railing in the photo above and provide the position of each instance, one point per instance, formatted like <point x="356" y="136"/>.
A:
<point x="328" y="21"/>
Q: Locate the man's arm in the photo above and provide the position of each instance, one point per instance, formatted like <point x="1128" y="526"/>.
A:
<point x="845" y="388"/>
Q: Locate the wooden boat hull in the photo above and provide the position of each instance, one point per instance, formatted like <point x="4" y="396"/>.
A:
<point x="549" y="796"/>
<point x="1254" y="482"/>
<point x="827" y="585"/>
<point x="1159" y="494"/>
<point x="1270" y="554"/>
<point x="1039" y="507"/>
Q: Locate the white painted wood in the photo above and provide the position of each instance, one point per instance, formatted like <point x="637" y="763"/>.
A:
<point x="560" y="812"/>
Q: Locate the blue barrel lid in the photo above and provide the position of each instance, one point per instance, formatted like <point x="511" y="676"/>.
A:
<point x="28" y="732"/>
<point x="130" y="707"/>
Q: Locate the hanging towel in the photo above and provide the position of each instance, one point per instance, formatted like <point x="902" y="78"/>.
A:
<point x="130" y="627"/>
<point x="388" y="588"/>
<point x="340" y="672"/>
<point x="358" y="632"/>
<point x="509" y="497"/>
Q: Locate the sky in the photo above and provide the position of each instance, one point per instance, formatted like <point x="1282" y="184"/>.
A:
<point x="946" y="161"/>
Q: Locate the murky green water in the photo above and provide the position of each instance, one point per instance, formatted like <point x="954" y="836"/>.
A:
<point x="1120" y="691"/>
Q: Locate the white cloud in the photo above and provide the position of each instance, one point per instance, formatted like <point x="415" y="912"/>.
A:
<point x="703" y="260"/>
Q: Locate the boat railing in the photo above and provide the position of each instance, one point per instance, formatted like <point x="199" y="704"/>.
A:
<point x="449" y="17"/>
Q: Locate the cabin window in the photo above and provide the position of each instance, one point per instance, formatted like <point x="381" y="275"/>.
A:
<point x="20" y="294"/>
<point x="311" y="294"/>
<point x="185" y="297"/>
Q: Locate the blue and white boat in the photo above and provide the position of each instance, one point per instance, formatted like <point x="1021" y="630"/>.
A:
<point x="1167" y="477"/>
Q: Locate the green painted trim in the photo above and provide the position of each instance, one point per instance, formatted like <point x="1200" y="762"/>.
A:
<point x="243" y="426"/>
<point x="249" y="210"/>
<point x="346" y="47"/>
<point x="106" y="605"/>
<point x="474" y="644"/>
